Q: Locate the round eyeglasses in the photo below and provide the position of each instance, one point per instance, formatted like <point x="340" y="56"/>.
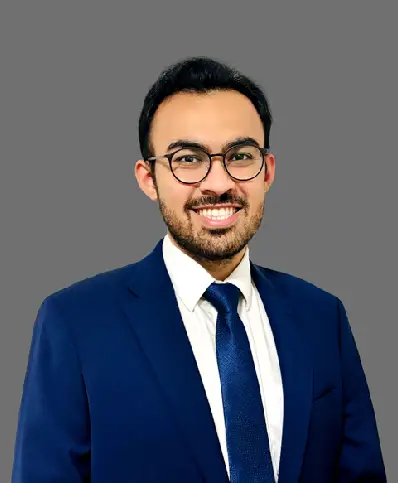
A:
<point x="191" y="165"/>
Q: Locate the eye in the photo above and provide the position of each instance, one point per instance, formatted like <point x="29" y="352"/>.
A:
<point x="240" y="157"/>
<point x="244" y="155"/>
<point x="188" y="159"/>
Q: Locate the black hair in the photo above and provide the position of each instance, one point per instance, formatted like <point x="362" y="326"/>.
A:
<point x="199" y="74"/>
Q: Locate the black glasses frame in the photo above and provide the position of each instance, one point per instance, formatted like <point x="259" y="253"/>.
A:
<point x="169" y="156"/>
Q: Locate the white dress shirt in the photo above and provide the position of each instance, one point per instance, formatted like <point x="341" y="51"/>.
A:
<point x="190" y="280"/>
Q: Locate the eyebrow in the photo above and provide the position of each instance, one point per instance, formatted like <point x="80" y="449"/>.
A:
<point x="187" y="143"/>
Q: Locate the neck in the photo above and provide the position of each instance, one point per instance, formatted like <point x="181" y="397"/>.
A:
<point x="219" y="269"/>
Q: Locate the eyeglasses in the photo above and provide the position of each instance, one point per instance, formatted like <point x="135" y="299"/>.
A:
<point x="191" y="165"/>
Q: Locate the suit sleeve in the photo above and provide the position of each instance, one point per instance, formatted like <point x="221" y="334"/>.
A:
<point x="360" y="457"/>
<point x="53" y="435"/>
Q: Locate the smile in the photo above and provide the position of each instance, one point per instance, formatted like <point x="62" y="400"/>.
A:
<point x="218" y="217"/>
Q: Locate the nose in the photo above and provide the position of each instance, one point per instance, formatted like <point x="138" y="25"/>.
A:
<point x="217" y="180"/>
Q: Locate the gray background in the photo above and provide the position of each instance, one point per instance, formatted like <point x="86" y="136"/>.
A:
<point x="73" y="78"/>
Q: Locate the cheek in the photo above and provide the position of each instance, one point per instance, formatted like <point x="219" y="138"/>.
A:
<point x="174" y="197"/>
<point x="254" y="194"/>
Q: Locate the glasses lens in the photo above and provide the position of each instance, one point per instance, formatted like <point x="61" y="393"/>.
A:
<point x="190" y="165"/>
<point x="244" y="162"/>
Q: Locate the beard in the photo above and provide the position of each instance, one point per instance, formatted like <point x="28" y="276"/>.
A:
<point x="215" y="244"/>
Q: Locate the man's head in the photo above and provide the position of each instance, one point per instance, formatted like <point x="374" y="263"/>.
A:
<point x="202" y="102"/>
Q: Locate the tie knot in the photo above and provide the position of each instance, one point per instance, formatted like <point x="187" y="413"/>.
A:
<point x="223" y="296"/>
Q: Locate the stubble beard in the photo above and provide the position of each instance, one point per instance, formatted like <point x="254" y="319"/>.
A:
<point x="215" y="244"/>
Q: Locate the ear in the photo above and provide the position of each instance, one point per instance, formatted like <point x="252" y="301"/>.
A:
<point x="145" y="179"/>
<point x="269" y="172"/>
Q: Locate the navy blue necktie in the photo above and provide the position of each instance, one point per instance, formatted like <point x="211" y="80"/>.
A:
<point x="246" y="431"/>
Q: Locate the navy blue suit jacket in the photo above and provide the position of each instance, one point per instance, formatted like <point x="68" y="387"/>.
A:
<point x="112" y="392"/>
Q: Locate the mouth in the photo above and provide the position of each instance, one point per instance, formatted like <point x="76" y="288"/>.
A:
<point x="220" y="216"/>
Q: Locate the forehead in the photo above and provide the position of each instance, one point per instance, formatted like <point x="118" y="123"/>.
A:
<point x="211" y="118"/>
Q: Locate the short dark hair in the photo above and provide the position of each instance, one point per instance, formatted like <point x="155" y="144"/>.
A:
<point x="199" y="74"/>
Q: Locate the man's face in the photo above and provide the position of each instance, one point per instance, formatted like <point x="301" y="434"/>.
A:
<point x="213" y="120"/>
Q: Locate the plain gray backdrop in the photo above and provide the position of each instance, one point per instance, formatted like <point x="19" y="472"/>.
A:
<point x="73" y="77"/>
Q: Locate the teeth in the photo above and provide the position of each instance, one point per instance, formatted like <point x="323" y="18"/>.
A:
<point x="220" y="214"/>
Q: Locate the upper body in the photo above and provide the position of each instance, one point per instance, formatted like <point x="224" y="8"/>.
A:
<point x="124" y="380"/>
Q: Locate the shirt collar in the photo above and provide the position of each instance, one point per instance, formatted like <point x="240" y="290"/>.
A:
<point x="190" y="280"/>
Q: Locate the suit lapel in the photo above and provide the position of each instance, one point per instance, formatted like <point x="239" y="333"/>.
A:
<point x="296" y="370"/>
<point x="152" y="310"/>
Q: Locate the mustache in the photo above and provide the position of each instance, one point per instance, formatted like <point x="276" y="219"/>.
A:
<point x="217" y="200"/>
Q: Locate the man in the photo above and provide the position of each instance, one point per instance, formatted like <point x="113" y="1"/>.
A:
<point x="195" y="364"/>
